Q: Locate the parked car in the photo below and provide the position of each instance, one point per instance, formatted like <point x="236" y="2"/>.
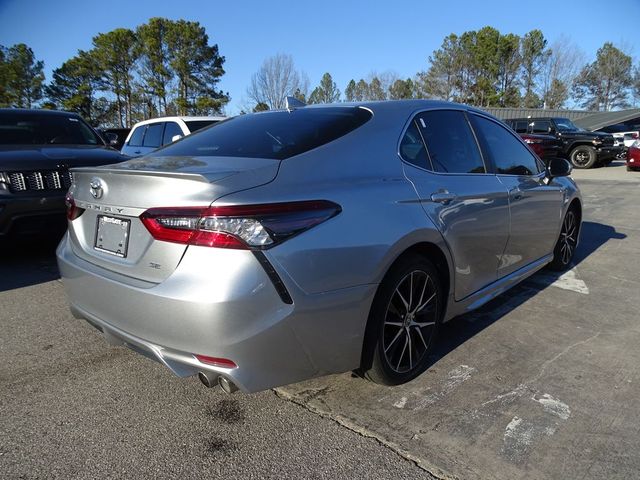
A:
<point x="633" y="156"/>
<point x="545" y="146"/>
<point x="627" y="133"/>
<point x="37" y="148"/>
<point x="283" y="245"/>
<point x="583" y="148"/>
<point x="147" y="136"/>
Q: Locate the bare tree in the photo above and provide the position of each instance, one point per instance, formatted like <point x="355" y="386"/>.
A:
<point x="559" y="70"/>
<point x="276" y="79"/>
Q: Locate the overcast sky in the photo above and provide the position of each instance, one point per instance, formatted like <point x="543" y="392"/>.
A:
<point x="349" y="39"/>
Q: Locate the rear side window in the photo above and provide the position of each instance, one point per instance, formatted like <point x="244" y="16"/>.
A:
<point x="171" y="129"/>
<point x="520" y="126"/>
<point x="153" y="136"/>
<point x="194" y="125"/>
<point x="450" y="143"/>
<point x="508" y="154"/>
<point x="277" y="135"/>
<point x="136" y="136"/>
<point x="412" y="148"/>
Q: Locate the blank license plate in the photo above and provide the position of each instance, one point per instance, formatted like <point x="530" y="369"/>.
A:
<point x="112" y="235"/>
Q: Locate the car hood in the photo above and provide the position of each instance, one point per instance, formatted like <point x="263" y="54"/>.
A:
<point x="30" y="157"/>
<point x="586" y="135"/>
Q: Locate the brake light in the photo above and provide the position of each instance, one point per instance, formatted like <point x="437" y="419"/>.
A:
<point x="73" y="211"/>
<point x="240" y="227"/>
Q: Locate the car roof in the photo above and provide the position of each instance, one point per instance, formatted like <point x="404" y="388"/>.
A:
<point x="183" y="118"/>
<point x="38" y="111"/>
<point x="395" y="107"/>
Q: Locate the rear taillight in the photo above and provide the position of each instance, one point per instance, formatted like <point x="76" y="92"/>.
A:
<point x="240" y="227"/>
<point x="73" y="211"/>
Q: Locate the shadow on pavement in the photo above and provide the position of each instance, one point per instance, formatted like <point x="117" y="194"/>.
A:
<point x="457" y="331"/>
<point x="27" y="262"/>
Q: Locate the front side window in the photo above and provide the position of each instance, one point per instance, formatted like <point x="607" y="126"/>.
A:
<point x="276" y="135"/>
<point x="171" y="129"/>
<point x="506" y="152"/>
<point x="450" y="143"/>
<point x="541" y="126"/>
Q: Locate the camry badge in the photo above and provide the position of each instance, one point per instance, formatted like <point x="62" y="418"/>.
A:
<point x="96" y="188"/>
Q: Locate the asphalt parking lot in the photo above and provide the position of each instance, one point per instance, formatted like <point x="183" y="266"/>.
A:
<point x="541" y="383"/>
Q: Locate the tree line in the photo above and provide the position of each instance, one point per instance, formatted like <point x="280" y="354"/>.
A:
<point x="163" y="67"/>
<point x="484" y="68"/>
<point x="167" y="67"/>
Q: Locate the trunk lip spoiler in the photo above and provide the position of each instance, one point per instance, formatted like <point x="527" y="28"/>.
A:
<point x="198" y="177"/>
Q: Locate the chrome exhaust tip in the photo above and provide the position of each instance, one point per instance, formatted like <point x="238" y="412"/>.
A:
<point x="208" y="379"/>
<point x="227" y="385"/>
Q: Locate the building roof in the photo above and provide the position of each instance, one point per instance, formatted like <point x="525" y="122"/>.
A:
<point x="589" y="120"/>
<point x="509" y="113"/>
<point x="599" y="120"/>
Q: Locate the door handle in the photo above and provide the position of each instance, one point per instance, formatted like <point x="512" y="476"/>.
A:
<point x="443" y="197"/>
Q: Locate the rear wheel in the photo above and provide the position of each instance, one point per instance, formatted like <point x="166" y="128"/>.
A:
<point x="583" y="156"/>
<point x="567" y="242"/>
<point x="404" y="321"/>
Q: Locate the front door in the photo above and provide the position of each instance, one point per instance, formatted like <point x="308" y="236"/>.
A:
<point x="535" y="206"/>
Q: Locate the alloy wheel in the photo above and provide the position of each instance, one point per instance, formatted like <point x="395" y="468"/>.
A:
<point x="568" y="237"/>
<point x="410" y="321"/>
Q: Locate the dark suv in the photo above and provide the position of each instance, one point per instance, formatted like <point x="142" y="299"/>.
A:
<point x="583" y="148"/>
<point x="37" y="149"/>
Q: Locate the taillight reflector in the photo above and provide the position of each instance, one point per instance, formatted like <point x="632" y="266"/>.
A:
<point x="215" y="361"/>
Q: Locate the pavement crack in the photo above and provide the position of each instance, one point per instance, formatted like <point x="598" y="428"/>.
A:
<point x="345" y="422"/>
<point x="556" y="357"/>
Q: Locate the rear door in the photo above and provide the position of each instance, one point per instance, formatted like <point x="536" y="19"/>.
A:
<point x="535" y="206"/>
<point x="468" y="205"/>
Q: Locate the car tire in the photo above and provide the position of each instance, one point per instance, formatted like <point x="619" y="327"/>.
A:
<point x="404" y="321"/>
<point x="583" y="156"/>
<point x="565" y="248"/>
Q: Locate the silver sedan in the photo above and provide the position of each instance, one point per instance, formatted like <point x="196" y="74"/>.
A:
<point x="279" y="246"/>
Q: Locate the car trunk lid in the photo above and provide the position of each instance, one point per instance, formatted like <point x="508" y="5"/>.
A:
<point x="109" y="232"/>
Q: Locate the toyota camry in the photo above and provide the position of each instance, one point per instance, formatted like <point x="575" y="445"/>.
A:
<point x="278" y="246"/>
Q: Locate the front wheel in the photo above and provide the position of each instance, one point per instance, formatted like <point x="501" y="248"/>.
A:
<point x="567" y="242"/>
<point x="583" y="156"/>
<point x="404" y="321"/>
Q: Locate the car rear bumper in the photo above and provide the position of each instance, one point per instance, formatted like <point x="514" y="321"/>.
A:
<point x="227" y="310"/>
<point x="21" y="214"/>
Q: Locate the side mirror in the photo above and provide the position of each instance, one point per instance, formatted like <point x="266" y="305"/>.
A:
<point x="175" y="138"/>
<point x="558" y="167"/>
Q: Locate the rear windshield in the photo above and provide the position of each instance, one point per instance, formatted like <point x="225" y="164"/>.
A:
<point x="194" y="125"/>
<point x="278" y="135"/>
<point x="34" y="129"/>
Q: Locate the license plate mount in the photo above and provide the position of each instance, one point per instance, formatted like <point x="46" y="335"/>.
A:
<point x="112" y="235"/>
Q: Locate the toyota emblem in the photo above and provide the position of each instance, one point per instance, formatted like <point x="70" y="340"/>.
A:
<point x="96" y="188"/>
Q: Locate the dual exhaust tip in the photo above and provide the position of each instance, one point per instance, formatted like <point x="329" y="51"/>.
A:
<point x="210" y="380"/>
